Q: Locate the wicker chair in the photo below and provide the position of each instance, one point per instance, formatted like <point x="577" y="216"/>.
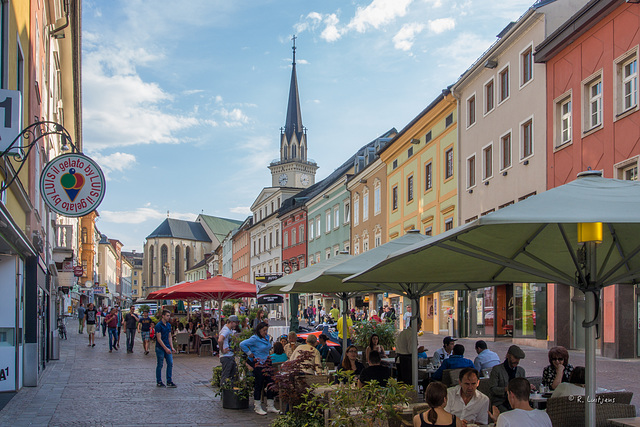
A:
<point x="615" y="397"/>
<point x="569" y="411"/>
<point x="450" y="377"/>
<point x="484" y="387"/>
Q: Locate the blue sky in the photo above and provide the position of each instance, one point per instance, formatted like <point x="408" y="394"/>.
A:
<point x="183" y="101"/>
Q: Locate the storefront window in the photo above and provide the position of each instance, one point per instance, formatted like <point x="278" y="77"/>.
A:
<point x="489" y="313"/>
<point x="525" y="308"/>
<point x="447" y="305"/>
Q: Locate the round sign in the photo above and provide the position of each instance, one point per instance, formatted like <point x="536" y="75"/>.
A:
<point x="72" y="185"/>
<point x="88" y="284"/>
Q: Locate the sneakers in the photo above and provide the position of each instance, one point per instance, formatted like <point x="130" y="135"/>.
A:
<point x="146" y="352"/>
<point x="110" y="351"/>
<point x="160" y="384"/>
<point x="170" y="384"/>
<point x="93" y="345"/>
<point x="271" y="407"/>
<point x="257" y="407"/>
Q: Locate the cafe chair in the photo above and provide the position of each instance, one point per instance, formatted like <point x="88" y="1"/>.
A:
<point x="206" y="345"/>
<point x="450" y="377"/>
<point x="569" y="411"/>
<point x="485" y="387"/>
<point x="182" y="339"/>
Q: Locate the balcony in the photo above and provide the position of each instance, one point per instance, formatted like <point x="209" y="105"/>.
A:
<point x="63" y="244"/>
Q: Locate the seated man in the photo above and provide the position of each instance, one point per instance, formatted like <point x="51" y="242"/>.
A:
<point x="465" y="401"/>
<point x="292" y="344"/>
<point x="322" y="347"/>
<point x="522" y="414"/>
<point x="486" y="359"/>
<point x="503" y="373"/>
<point x="375" y="371"/>
<point x="455" y="361"/>
<point x="314" y="365"/>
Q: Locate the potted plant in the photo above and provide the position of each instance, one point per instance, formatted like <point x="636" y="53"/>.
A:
<point x="236" y="391"/>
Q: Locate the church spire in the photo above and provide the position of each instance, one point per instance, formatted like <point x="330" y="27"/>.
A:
<point x="293" y="123"/>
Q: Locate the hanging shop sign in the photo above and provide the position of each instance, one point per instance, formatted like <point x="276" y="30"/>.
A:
<point x="73" y="185"/>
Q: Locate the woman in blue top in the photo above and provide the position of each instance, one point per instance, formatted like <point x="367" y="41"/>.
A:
<point x="257" y="349"/>
<point x="278" y="354"/>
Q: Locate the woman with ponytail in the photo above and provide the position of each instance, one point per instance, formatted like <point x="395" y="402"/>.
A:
<point x="436" y="398"/>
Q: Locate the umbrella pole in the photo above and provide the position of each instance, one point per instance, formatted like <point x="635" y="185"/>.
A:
<point x="590" y="338"/>
<point x="345" y="327"/>
<point x="414" y="347"/>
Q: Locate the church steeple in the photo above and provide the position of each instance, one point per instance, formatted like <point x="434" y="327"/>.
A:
<point x="293" y="123"/>
<point x="293" y="169"/>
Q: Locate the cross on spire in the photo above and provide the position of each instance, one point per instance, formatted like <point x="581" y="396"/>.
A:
<point x="294" y="48"/>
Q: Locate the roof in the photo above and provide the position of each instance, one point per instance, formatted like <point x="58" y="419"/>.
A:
<point x="179" y="229"/>
<point x="220" y="227"/>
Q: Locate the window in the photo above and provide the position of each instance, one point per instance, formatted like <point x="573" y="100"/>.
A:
<point x="488" y="97"/>
<point x="346" y="246"/>
<point x="410" y="152"/>
<point x="505" y="151"/>
<point x="564" y="118"/>
<point x="428" y="182"/>
<point x="394" y="198"/>
<point x="410" y="189"/>
<point x="365" y="204"/>
<point x="356" y="209"/>
<point x="448" y="224"/>
<point x="627" y="83"/>
<point x="311" y="230"/>
<point x="347" y="212"/>
<point x="630" y="173"/>
<point x="487" y="162"/>
<point x="336" y="216"/>
<point x="593" y="114"/>
<point x="526" y="65"/>
<point x="376" y="198"/>
<point x="318" y="227"/>
<point x="471" y="110"/>
<point x="503" y="94"/>
<point x="356" y="246"/>
<point x="471" y="171"/>
<point x="277" y="232"/>
<point x="365" y="244"/>
<point x="395" y="164"/>
<point x="428" y="231"/>
<point x="427" y="137"/>
<point x="448" y="158"/>
<point x="327" y="224"/>
<point x="327" y="253"/>
<point x="449" y="120"/>
<point x="527" y="139"/>
<point x="377" y="239"/>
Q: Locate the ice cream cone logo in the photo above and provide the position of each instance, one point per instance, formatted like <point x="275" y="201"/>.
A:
<point x="72" y="183"/>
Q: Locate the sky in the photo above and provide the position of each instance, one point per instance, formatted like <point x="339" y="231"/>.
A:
<point x="183" y="101"/>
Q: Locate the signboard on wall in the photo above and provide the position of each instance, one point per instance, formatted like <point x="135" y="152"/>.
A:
<point x="10" y="119"/>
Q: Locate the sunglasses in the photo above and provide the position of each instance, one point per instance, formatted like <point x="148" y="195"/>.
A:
<point x="560" y="359"/>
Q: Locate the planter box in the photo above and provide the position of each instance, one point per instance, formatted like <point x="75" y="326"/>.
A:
<point x="231" y="401"/>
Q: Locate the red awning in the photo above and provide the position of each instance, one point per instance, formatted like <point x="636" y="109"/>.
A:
<point x="216" y="288"/>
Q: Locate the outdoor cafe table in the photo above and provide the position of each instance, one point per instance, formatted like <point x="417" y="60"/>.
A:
<point x="277" y="331"/>
<point x="539" y="401"/>
<point x="629" y="422"/>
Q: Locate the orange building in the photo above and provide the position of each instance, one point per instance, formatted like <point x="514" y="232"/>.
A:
<point x="594" y="123"/>
<point x="241" y="257"/>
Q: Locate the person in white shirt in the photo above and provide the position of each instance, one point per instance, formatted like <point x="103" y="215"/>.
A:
<point x="465" y="401"/>
<point x="446" y="350"/>
<point x="575" y="386"/>
<point x="522" y="415"/>
<point x="407" y="317"/>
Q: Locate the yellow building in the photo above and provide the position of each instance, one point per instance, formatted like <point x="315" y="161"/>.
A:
<point x="422" y="190"/>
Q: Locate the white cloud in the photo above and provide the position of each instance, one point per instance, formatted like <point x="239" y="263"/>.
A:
<point x="192" y="91"/>
<point x="441" y="25"/>
<point x="434" y="3"/>
<point x="378" y="13"/>
<point x="331" y="32"/>
<point x="234" y="117"/>
<point x="463" y="51"/>
<point x="403" y="40"/>
<point x="141" y="215"/>
<point x="302" y="61"/>
<point x="244" y="210"/>
<point x="114" y="162"/>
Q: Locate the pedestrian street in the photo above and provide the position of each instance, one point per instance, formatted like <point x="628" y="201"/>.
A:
<point x="88" y="386"/>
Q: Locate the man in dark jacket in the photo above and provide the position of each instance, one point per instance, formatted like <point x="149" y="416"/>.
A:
<point x="501" y="375"/>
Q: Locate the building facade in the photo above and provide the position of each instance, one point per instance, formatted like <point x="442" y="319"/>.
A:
<point x="241" y="256"/>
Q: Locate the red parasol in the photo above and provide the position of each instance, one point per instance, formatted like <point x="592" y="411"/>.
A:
<point x="162" y="293"/>
<point x="218" y="288"/>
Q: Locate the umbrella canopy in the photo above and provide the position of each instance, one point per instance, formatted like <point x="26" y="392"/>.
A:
<point x="217" y="288"/>
<point x="536" y="240"/>
<point x="162" y="293"/>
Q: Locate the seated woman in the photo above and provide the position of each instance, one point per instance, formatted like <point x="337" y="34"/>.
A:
<point x="203" y="338"/>
<point x="182" y="330"/>
<point x="575" y="386"/>
<point x="278" y="354"/>
<point x="559" y="369"/>
<point x="374" y="345"/>
<point x="436" y="397"/>
<point x="351" y="362"/>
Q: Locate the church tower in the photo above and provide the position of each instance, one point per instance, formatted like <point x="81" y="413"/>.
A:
<point x="293" y="169"/>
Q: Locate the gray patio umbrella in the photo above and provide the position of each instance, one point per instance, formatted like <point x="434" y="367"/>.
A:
<point x="536" y="240"/>
<point x="328" y="279"/>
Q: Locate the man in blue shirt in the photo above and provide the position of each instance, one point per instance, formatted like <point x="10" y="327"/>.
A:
<point x="486" y="359"/>
<point x="455" y="361"/>
<point x="164" y="349"/>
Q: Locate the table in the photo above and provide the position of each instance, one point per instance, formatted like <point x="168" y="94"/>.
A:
<point x="632" y="422"/>
<point x="538" y="401"/>
<point x="277" y="331"/>
<point x="388" y="360"/>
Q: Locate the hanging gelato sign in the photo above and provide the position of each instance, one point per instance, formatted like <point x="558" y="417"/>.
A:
<point x="72" y="185"/>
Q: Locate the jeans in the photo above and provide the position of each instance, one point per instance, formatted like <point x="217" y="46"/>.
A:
<point x="131" y="334"/>
<point x="113" y="337"/>
<point x="229" y="368"/>
<point x="81" y="325"/>
<point x="161" y="355"/>
<point x="262" y="380"/>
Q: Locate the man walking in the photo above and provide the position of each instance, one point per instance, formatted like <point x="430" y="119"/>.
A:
<point x="131" y="322"/>
<point x="145" y="330"/>
<point x="81" y="312"/>
<point x="91" y="314"/>
<point x="112" y="325"/>
<point x="228" y="362"/>
<point x="164" y="349"/>
<point x="407" y="316"/>
<point x="119" y="315"/>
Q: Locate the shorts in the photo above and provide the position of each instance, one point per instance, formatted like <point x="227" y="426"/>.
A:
<point x="91" y="329"/>
<point x="145" y="335"/>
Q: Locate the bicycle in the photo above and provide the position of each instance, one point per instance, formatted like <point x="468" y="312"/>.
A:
<point x="62" y="328"/>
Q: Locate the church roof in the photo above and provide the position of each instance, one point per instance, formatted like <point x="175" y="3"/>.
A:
<point x="293" y="122"/>
<point x="220" y="227"/>
<point x="179" y="229"/>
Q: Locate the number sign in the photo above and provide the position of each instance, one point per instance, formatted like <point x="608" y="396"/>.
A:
<point x="10" y="118"/>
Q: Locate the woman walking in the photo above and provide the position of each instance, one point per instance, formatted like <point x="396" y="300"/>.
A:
<point x="257" y="349"/>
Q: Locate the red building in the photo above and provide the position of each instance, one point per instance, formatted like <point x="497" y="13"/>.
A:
<point x="594" y="123"/>
<point x="293" y="215"/>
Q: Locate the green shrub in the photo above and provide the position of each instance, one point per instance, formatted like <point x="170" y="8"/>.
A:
<point x="228" y="310"/>
<point x="366" y="328"/>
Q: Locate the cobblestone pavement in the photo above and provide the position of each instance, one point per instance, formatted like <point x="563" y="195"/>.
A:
<point x="612" y="374"/>
<point x="92" y="387"/>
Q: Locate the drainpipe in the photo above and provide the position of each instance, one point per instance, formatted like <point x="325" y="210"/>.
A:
<point x="55" y="31"/>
